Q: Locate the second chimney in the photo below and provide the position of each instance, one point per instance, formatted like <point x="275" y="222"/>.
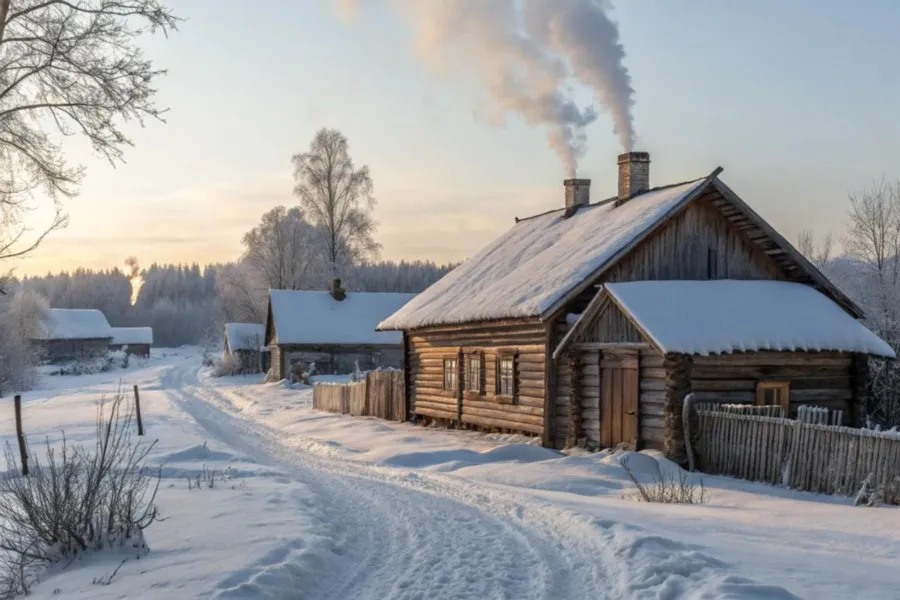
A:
<point x="634" y="175"/>
<point x="578" y="193"/>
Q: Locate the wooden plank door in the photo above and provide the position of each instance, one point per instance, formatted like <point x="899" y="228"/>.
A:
<point x="619" y="392"/>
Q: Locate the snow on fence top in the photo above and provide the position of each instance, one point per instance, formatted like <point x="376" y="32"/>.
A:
<point x="317" y="318"/>
<point x="719" y="317"/>
<point x="245" y="336"/>
<point x="525" y="271"/>
<point x="132" y="335"/>
<point x="75" y="324"/>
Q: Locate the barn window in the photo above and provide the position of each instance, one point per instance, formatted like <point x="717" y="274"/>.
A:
<point x="774" y="393"/>
<point x="506" y="375"/>
<point x="473" y="373"/>
<point x="450" y="374"/>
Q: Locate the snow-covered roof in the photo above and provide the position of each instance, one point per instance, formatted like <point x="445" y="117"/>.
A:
<point x="719" y="317"/>
<point x="302" y="317"/>
<point x="245" y="336"/>
<point x="527" y="270"/>
<point x="132" y="335"/>
<point x="75" y="324"/>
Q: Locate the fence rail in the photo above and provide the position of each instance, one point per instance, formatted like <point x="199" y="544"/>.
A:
<point x="381" y="394"/>
<point x="805" y="454"/>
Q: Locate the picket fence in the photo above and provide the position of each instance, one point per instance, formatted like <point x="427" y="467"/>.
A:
<point x="759" y="444"/>
<point x="381" y="394"/>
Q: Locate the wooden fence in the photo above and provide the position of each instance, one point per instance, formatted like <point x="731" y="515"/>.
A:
<point x="381" y="394"/>
<point x="804" y="454"/>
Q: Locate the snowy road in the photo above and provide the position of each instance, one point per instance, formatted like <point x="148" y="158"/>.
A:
<point x="314" y="505"/>
<point x="412" y="534"/>
<point x="402" y="535"/>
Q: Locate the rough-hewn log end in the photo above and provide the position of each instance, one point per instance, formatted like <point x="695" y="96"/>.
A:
<point x="678" y="385"/>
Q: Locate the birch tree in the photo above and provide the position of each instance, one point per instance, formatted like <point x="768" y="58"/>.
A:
<point x="338" y="198"/>
<point x="67" y="67"/>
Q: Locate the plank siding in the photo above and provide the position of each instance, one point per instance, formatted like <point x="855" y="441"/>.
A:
<point x="611" y="325"/>
<point x="429" y="347"/>
<point x="818" y="378"/>
<point x="682" y="250"/>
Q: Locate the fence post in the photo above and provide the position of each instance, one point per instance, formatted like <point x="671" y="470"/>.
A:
<point x="20" y="435"/>
<point x="137" y="409"/>
<point x="686" y="422"/>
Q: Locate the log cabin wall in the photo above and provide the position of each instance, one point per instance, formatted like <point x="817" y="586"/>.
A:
<point x="526" y="340"/>
<point x="819" y="378"/>
<point x="652" y="416"/>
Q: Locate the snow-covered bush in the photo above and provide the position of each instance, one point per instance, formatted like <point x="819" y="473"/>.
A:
<point x="77" y="500"/>
<point x="21" y="320"/>
<point x="357" y="374"/>
<point x="667" y="488"/>
<point x="92" y="365"/>
<point x="300" y="373"/>
<point x="229" y="364"/>
<point x="884" y="493"/>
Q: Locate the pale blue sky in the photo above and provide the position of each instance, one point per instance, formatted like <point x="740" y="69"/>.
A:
<point x="796" y="100"/>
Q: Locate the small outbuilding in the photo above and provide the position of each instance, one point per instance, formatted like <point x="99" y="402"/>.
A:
<point x="74" y="333"/>
<point x="335" y="330"/>
<point x="135" y="341"/>
<point x="246" y="341"/>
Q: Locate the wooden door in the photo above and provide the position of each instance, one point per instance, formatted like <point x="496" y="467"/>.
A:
<point x="619" y="398"/>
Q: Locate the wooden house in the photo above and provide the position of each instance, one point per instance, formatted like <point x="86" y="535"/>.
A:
<point x="589" y="324"/>
<point x="74" y="334"/>
<point x="246" y="341"/>
<point x="334" y="329"/>
<point x="135" y="341"/>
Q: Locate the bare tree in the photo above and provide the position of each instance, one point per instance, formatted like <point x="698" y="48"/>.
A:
<point x="873" y="236"/>
<point x="281" y="248"/>
<point x="338" y="198"/>
<point x="242" y="294"/>
<point x="817" y="254"/>
<point x="22" y="316"/>
<point x="67" y="67"/>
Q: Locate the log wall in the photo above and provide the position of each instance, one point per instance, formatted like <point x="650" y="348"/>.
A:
<point x="428" y="347"/>
<point x="819" y="378"/>
<point x="587" y="415"/>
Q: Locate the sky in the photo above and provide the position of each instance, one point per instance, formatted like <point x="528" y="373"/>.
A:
<point x="795" y="100"/>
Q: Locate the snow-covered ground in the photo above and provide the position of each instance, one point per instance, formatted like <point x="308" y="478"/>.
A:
<point x="313" y="505"/>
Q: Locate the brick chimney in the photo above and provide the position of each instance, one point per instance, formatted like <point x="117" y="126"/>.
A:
<point x="578" y="193"/>
<point x="634" y="175"/>
<point x="337" y="292"/>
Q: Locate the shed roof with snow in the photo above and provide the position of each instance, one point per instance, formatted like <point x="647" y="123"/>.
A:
<point x="310" y="317"/>
<point x="727" y="316"/>
<point x="132" y="335"/>
<point x="245" y="336"/>
<point x="75" y="324"/>
<point x="539" y="264"/>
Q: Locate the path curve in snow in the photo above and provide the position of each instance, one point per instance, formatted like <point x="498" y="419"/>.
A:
<point x="409" y="534"/>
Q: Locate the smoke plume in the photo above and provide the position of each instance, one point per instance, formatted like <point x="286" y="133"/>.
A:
<point x="526" y="54"/>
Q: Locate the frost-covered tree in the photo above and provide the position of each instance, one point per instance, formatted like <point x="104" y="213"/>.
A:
<point x="22" y="316"/>
<point x="67" y="67"/>
<point x="282" y="250"/>
<point x="338" y="198"/>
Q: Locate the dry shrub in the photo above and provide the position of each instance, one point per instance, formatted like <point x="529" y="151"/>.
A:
<point x="671" y="488"/>
<point x="77" y="500"/>
<point x="876" y="495"/>
<point x="228" y="365"/>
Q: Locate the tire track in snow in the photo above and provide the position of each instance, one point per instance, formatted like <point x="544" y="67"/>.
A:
<point x="430" y="535"/>
<point x="399" y="535"/>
